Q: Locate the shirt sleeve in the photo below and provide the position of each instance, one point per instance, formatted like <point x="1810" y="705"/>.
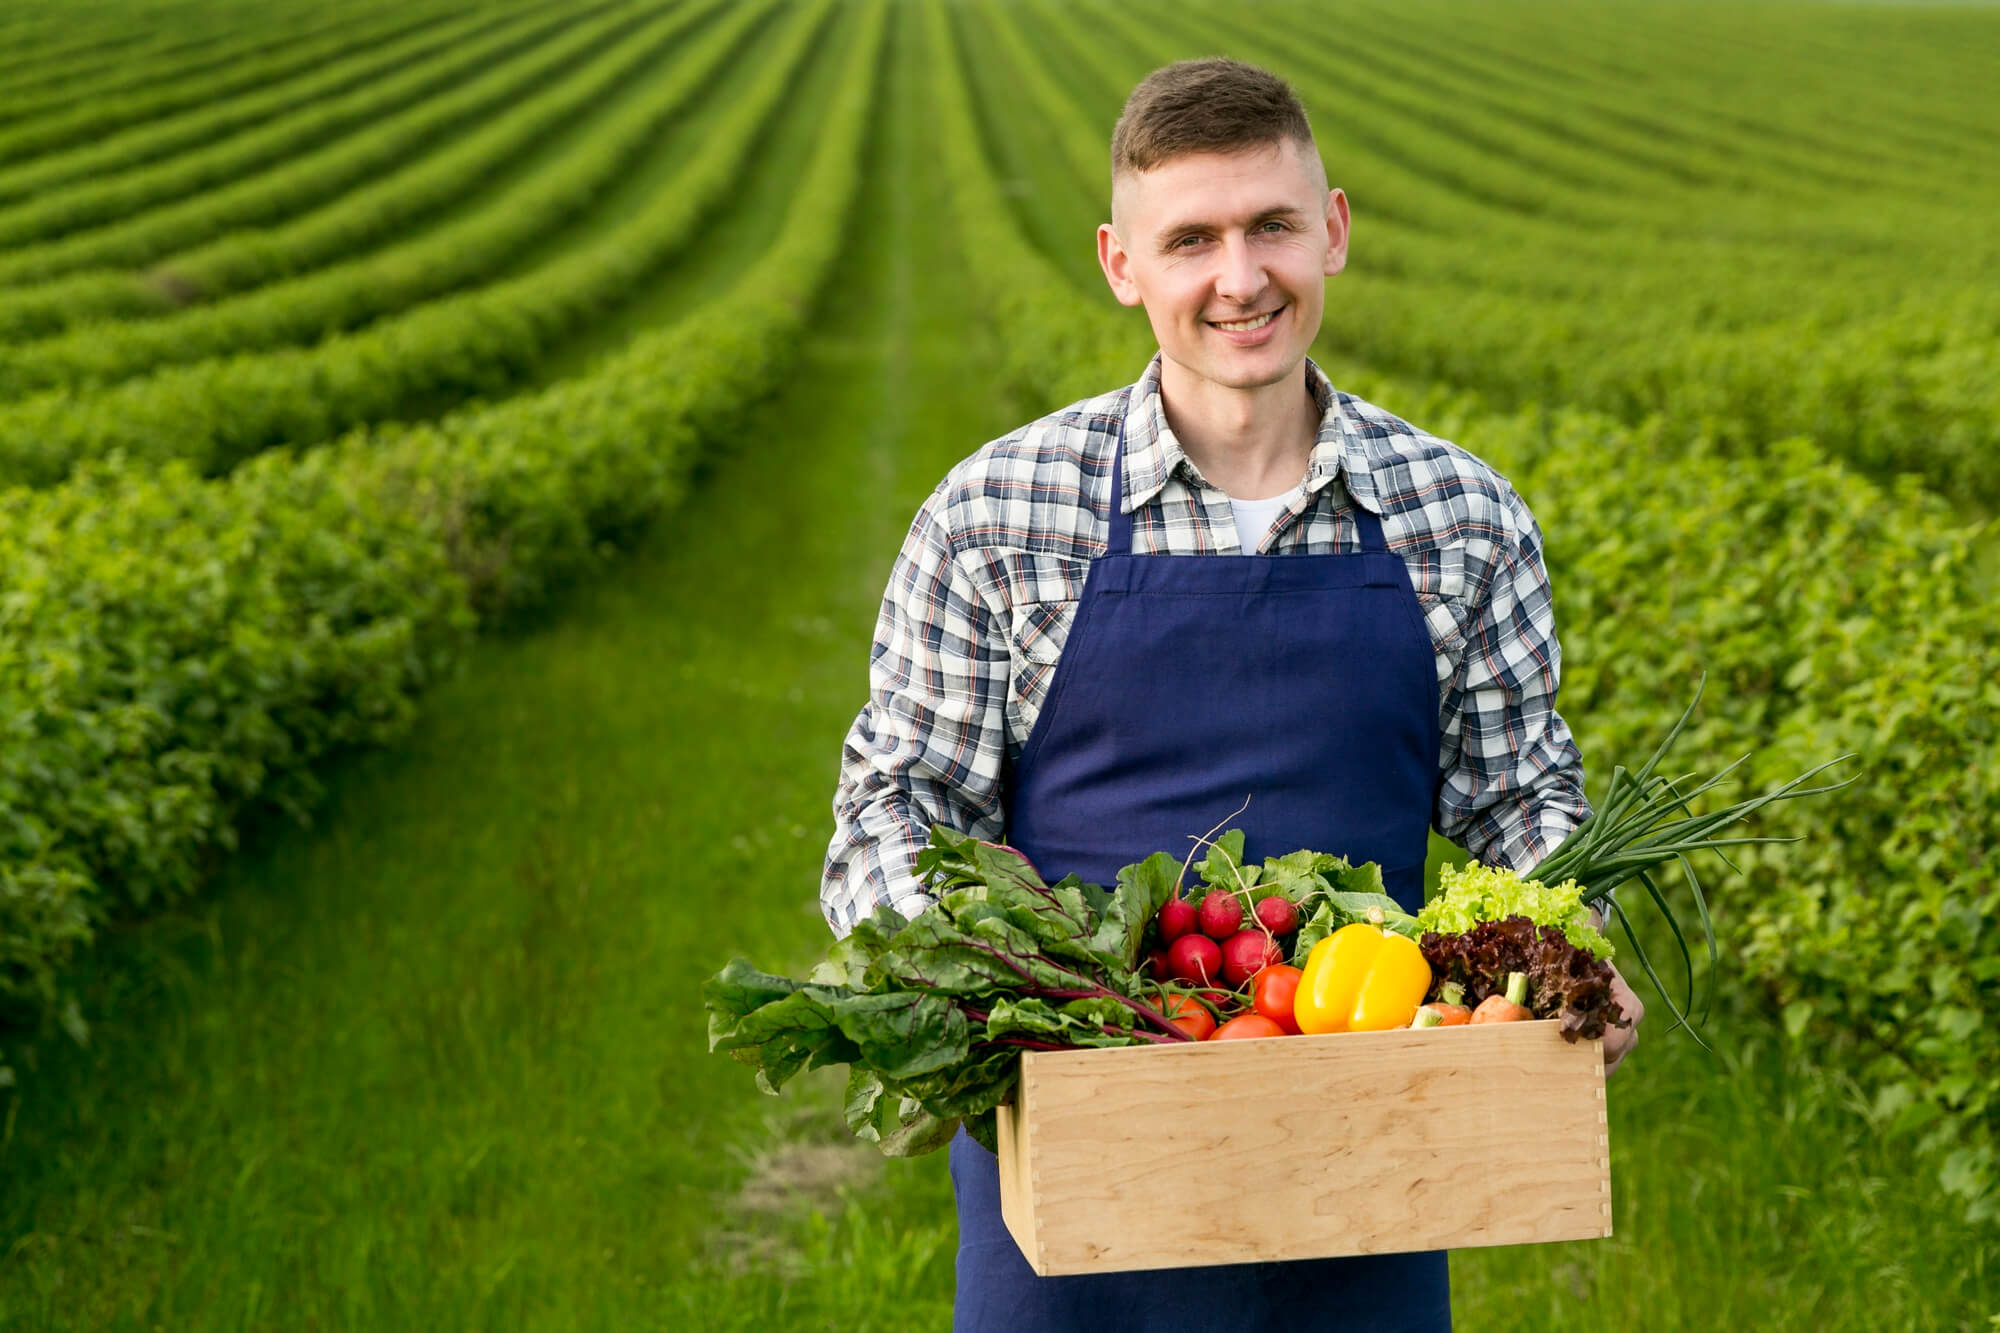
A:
<point x="1513" y="779"/>
<point x="929" y="745"/>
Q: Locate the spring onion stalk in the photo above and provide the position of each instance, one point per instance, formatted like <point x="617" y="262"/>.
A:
<point x="1646" y="822"/>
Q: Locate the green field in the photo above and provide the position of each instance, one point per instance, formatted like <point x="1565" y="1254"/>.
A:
<point x="450" y="459"/>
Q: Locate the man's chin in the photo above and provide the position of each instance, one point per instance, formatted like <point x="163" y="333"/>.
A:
<point x="1245" y="373"/>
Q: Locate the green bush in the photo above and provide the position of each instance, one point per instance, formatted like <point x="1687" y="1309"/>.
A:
<point x="179" y="649"/>
<point x="370" y="87"/>
<point x="216" y="413"/>
<point x="409" y="188"/>
<point x="39" y="126"/>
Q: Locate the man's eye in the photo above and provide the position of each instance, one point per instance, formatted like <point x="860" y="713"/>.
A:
<point x="1183" y="243"/>
<point x="1275" y="225"/>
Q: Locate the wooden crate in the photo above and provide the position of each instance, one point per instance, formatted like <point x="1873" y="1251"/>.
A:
<point x="1305" y="1147"/>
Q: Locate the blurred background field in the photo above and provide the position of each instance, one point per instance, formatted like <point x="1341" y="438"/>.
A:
<point x="450" y="457"/>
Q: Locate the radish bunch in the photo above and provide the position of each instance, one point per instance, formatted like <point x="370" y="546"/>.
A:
<point x="1212" y="941"/>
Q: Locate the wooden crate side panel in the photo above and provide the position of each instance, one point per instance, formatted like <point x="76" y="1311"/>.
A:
<point x="1316" y="1146"/>
<point x="1017" y="1189"/>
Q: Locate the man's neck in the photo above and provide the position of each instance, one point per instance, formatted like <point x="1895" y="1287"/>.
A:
<point x="1253" y="443"/>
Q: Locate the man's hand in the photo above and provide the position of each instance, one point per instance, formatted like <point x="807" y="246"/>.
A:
<point x="1618" y="1042"/>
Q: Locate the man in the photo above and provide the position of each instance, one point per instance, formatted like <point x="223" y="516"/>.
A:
<point x="1108" y="628"/>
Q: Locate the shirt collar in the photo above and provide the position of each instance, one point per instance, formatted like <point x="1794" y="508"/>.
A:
<point x="1153" y="454"/>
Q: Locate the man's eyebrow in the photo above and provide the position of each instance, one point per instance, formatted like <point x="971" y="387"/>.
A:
<point x="1283" y="212"/>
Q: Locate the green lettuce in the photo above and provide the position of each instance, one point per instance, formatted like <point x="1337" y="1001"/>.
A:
<point x="1470" y="894"/>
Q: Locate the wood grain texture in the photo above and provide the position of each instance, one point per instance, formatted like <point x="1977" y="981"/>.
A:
<point x="1305" y="1147"/>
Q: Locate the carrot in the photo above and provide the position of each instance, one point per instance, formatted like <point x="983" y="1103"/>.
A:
<point x="1508" y="1008"/>
<point x="1439" y="1015"/>
<point x="1446" y="1011"/>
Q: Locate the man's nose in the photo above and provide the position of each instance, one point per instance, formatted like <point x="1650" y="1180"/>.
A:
<point x="1241" y="277"/>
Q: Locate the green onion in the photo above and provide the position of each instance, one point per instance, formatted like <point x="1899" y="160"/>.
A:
<point x="1644" y="822"/>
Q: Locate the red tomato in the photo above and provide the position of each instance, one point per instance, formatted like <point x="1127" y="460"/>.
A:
<point x="1272" y="993"/>
<point x="1247" y="1025"/>
<point x="1186" y="1013"/>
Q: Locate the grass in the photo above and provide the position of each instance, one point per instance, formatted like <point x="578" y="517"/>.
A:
<point x="437" y="1062"/>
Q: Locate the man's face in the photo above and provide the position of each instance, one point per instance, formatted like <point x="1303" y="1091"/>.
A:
<point x="1229" y="253"/>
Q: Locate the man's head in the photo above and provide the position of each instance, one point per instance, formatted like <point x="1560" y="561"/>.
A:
<point x="1220" y="215"/>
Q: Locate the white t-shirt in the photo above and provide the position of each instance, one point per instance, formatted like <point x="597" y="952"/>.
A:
<point x="1255" y="517"/>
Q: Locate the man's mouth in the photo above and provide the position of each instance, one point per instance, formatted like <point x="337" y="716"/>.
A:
<point x="1248" y="325"/>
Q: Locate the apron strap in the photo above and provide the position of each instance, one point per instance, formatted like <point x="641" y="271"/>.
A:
<point x="1371" y="531"/>
<point x="1119" y="540"/>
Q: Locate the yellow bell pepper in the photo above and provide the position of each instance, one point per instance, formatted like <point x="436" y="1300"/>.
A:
<point x="1361" y="978"/>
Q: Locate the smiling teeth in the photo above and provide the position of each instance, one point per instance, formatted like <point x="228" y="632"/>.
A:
<point x="1245" y="326"/>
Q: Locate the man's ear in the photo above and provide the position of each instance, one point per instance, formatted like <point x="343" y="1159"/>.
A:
<point x="1336" y="232"/>
<point x="1117" y="265"/>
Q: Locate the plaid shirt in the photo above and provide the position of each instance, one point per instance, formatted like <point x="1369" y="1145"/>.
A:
<point x="982" y="595"/>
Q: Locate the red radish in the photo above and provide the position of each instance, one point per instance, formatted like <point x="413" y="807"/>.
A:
<point x="1221" y="915"/>
<point x="1176" y="919"/>
<point x="1156" y="962"/>
<point x="1246" y="953"/>
<point x="1277" y="914"/>
<point x="1195" y="959"/>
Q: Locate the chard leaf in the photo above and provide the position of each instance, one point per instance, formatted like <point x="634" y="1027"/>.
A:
<point x="1088" y="1022"/>
<point x="864" y="1095"/>
<point x="898" y="1125"/>
<point x="984" y="1130"/>
<point x="781" y="1036"/>
<point x="954" y="858"/>
<point x="904" y="1034"/>
<point x="918" y="1131"/>
<point x="979" y="1084"/>
<point x="989" y="954"/>
<point x="737" y="990"/>
<point x="846" y="963"/>
<point x="1096" y="898"/>
<point x="1041" y="918"/>
<point x="1005" y="865"/>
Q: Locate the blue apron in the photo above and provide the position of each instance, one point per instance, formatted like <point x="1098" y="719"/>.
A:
<point x="1305" y="682"/>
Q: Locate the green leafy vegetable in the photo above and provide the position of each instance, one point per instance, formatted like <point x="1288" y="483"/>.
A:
<point x="1470" y="894"/>
<point x="931" y="1014"/>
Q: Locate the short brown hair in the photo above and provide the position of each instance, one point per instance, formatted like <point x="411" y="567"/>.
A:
<point x="1215" y="105"/>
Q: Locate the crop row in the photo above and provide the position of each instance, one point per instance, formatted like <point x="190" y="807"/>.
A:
<point x="39" y="49"/>
<point x="309" y="178"/>
<point x="207" y="125"/>
<point x="1670" y="558"/>
<point x="55" y="80"/>
<point x="214" y="414"/>
<point x="85" y="120"/>
<point x="63" y="212"/>
<point x="1671" y="95"/>
<point x="1844" y="99"/>
<point x="385" y="279"/>
<point x="1530" y="312"/>
<point x="1675" y="146"/>
<point x="180" y="649"/>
